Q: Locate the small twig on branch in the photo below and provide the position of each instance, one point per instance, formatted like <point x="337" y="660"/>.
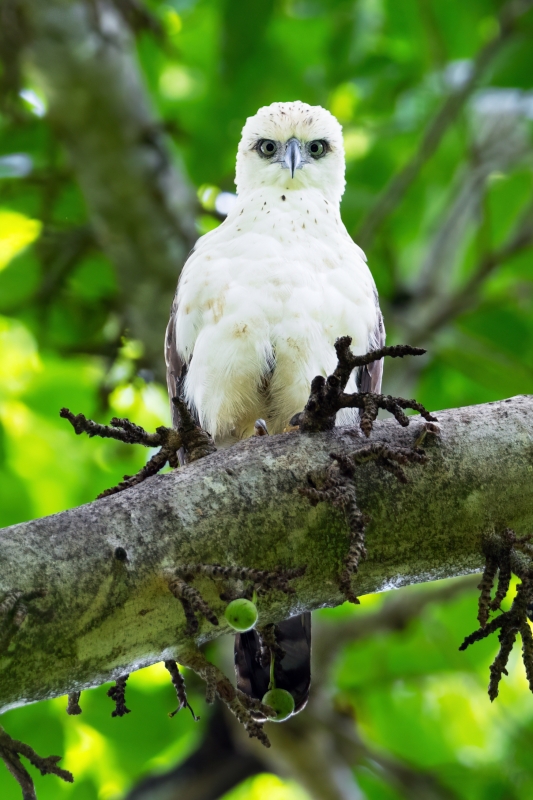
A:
<point x="121" y="429"/>
<point x="179" y="685"/>
<point x="73" y="704"/>
<point x="506" y="553"/>
<point x="450" y="307"/>
<point x="262" y="580"/>
<point x="117" y="693"/>
<point x="250" y="713"/>
<point x="189" y="437"/>
<point x="10" y="752"/>
<point x="192" y="601"/>
<point x="327" y="394"/>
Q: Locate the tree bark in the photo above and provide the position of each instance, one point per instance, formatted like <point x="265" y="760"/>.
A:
<point x="139" y="203"/>
<point x="103" y="616"/>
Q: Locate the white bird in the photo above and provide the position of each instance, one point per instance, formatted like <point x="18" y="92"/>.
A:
<point x="262" y="299"/>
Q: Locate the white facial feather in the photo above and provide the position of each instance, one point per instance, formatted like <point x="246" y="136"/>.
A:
<point x="280" y="122"/>
<point x="263" y="297"/>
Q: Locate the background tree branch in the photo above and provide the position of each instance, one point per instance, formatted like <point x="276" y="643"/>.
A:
<point x="140" y="204"/>
<point x="394" y="192"/>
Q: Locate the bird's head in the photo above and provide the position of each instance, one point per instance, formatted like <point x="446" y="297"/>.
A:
<point x="294" y="146"/>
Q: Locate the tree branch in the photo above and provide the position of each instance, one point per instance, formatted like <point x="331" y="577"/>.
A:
<point x="140" y="205"/>
<point x="446" y="309"/>
<point x="446" y="116"/>
<point x="105" y="567"/>
<point x="10" y="752"/>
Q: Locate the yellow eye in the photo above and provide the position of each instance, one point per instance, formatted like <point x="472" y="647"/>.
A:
<point x="317" y="148"/>
<point x="268" y="147"/>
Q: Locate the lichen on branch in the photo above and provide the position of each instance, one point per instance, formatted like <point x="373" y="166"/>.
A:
<point x="14" y="608"/>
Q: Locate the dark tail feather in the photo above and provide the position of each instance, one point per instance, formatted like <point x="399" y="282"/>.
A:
<point x="292" y="671"/>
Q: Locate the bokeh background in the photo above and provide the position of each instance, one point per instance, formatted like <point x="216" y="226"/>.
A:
<point x="436" y="100"/>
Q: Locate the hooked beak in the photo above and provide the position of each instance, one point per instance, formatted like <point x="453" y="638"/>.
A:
<point x="293" y="156"/>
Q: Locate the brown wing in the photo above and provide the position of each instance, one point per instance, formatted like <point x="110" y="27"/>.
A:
<point x="176" y="367"/>
<point x="368" y="379"/>
<point x="176" y="372"/>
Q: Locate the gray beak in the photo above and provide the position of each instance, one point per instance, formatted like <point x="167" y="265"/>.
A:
<point x="293" y="156"/>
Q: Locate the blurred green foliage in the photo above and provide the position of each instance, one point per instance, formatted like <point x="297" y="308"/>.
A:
<point x="384" y="68"/>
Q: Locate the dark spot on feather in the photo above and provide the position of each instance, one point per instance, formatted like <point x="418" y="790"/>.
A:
<point x="283" y="197"/>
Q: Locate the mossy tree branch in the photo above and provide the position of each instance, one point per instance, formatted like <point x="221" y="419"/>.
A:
<point x="102" y="607"/>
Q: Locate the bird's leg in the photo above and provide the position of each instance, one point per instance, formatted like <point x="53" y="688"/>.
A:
<point x="196" y="442"/>
<point x="250" y="712"/>
<point x="260" y="428"/>
<point x="506" y="553"/>
<point x="327" y="395"/>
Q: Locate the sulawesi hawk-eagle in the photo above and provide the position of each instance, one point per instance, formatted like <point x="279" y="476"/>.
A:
<point x="259" y="305"/>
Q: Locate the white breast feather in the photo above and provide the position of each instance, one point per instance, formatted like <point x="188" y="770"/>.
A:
<point x="274" y="285"/>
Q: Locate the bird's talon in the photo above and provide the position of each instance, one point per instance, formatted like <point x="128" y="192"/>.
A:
<point x="260" y="428"/>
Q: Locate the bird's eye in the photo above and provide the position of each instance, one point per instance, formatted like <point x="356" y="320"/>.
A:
<point x="267" y="147"/>
<point x="317" y="148"/>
